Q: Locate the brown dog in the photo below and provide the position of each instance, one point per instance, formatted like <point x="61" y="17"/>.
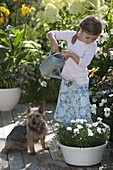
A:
<point x="23" y="136"/>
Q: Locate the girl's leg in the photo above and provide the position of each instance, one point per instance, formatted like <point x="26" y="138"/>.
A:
<point x="83" y="103"/>
<point x="73" y="103"/>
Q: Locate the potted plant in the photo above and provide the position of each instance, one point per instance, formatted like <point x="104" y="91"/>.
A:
<point x="83" y="143"/>
<point x="16" y="68"/>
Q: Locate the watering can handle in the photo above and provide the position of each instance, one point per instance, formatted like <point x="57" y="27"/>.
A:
<point x="51" y="52"/>
<point x="55" y="76"/>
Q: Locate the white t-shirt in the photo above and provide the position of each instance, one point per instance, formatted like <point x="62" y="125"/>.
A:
<point x="72" y="71"/>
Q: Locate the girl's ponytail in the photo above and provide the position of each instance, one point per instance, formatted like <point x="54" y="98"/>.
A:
<point x="74" y="38"/>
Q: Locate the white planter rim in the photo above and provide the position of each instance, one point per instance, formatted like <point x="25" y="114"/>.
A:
<point x="5" y="89"/>
<point x="83" y="147"/>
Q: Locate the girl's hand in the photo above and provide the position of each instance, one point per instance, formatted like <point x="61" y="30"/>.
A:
<point x="54" y="46"/>
<point x="66" y="54"/>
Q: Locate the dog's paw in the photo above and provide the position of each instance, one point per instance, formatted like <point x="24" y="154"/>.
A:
<point x="6" y="151"/>
<point x="46" y="147"/>
<point x="32" y="153"/>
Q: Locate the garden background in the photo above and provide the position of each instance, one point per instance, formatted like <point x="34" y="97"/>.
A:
<point x="37" y="17"/>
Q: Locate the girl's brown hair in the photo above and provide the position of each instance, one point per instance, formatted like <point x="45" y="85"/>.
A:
<point x="91" y="25"/>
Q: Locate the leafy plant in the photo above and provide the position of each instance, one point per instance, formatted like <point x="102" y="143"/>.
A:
<point x="101" y="73"/>
<point x="15" y="70"/>
<point x="80" y="133"/>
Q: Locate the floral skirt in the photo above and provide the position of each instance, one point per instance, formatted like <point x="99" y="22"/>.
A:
<point x="73" y="102"/>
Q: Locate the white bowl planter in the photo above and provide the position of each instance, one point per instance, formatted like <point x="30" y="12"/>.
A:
<point x="82" y="156"/>
<point x="9" y="98"/>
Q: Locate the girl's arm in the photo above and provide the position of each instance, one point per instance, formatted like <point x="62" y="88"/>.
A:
<point x="66" y="54"/>
<point x="53" y="41"/>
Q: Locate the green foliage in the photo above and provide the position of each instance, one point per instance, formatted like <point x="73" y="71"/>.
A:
<point x="37" y="27"/>
<point x="15" y="70"/>
<point x="80" y="133"/>
<point x="101" y="80"/>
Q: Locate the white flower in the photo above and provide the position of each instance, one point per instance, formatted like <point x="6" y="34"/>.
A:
<point x="95" y="124"/>
<point x="45" y="2"/>
<point x="99" y="130"/>
<point x="80" y="126"/>
<point x="102" y="102"/>
<point x="51" y="13"/>
<point x="93" y="108"/>
<point x="73" y="121"/>
<point x="81" y="132"/>
<point x="69" y="128"/>
<point x="111" y="30"/>
<point x="106" y="112"/>
<point x="99" y="119"/>
<point x="43" y="84"/>
<point x="88" y="125"/>
<point x="94" y="99"/>
<point x="111" y="57"/>
<point x="56" y="124"/>
<point x="90" y="133"/>
<point x="110" y="95"/>
<point x="76" y="6"/>
<point x="76" y="130"/>
<point x="106" y="126"/>
<point x="59" y="4"/>
<point x="111" y="54"/>
<point x="103" y="37"/>
<point x="99" y="51"/>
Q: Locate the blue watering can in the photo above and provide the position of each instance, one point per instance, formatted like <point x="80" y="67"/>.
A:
<point x="53" y="63"/>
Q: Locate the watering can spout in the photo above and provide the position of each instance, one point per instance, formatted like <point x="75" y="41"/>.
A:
<point x="53" y="63"/>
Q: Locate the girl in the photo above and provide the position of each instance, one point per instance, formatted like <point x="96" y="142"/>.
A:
<point x="73" y="100"/>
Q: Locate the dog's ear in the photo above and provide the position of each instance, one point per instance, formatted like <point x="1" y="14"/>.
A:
<point x="42" y="107"/>
<point x="29" y="107"/>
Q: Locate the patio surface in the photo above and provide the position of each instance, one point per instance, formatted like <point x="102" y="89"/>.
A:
<point x="51" y="159"/>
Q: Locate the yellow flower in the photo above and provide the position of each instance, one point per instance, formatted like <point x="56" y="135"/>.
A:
<point x="1" y="20"/>
<point x="33" y="9"/>
<point x="92" y="72"/>
<point x="4" y="10"/>
<point x="26" y="10"/>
